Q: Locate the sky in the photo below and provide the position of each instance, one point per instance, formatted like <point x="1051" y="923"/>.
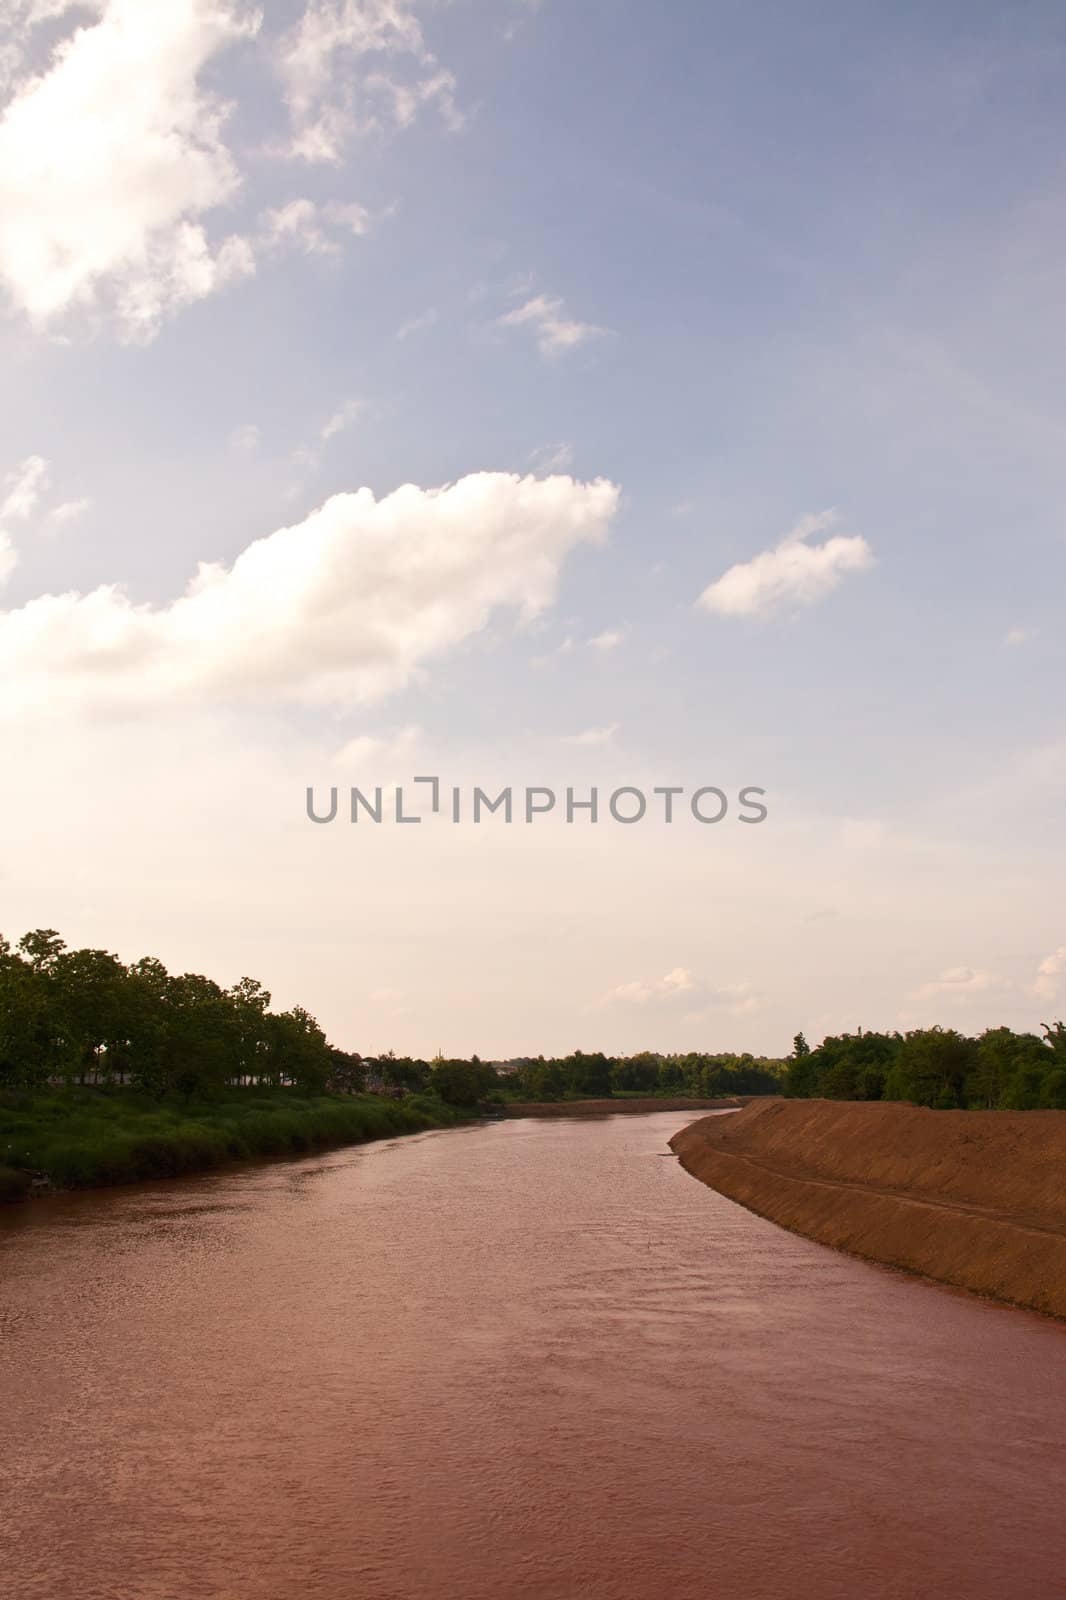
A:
<point x="535" y="395"/>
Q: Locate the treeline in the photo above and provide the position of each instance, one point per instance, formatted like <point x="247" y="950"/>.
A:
<point x="82" y="1017"/>
<point x="997" y="1070"/>
<point x="585" y="1076"/>
<point x="647" y="1073"/>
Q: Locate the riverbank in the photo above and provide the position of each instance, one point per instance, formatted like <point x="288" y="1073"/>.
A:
<point x="970" y="1198"/>
<point x="624" y="1105"/>
<point x="92" y="1138"/>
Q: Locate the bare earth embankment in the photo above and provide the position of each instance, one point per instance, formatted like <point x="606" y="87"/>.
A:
<point x="611" y="1108"/>
<point x="972" y="1198"/>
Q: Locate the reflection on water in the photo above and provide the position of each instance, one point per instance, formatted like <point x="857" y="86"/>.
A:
<point x="523" y="1359"/>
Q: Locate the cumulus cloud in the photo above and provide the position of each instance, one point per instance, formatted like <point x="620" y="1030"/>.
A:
<point x="350" y="66"/>
<point x="1049" y="975"/>
<point x="339" y="609"/>
<point x="109" y="158"/>
<point x="794" y="573"/>
<point x="555" y="333"/>
<point x="18" y="18"/>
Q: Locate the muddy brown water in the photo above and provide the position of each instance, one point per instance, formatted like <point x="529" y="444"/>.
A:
<point x="530" y="1359"/>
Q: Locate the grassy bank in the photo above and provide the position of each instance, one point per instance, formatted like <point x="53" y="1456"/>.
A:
<point x="87" y="1138"/>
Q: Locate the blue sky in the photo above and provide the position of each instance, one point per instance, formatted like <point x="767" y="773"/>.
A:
<point x="748" y="264"/>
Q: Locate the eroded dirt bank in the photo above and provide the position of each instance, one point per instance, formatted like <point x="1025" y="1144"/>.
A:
<point x="972" y="1198"/>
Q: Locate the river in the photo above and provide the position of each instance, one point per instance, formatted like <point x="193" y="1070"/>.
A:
<point x="521" y="1359"/>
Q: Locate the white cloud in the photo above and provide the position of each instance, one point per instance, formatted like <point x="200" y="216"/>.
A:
<point x="1049" y="975"/>
<point x="609" y="639"/>
<point x="343" y="418"/>
<point x="553" y="457"/>
<point x="339" y="609"/>
<point x="18" y="18"/>
<point x="69" y="511"/>
<point x="348" y="214"/>
<point x="23" y="489"/>
<point x="794" y="572"/>
<point x="296" y="223"/>
<point x="108" y="160"/>
<point x="958" y="983"/>
<point x="527" y="9"/>
<point x="671" y="987"/>
<point x="416" y="324"/>
<point x="738" y="999"/>
<point x="555" y="333"/>
<point x="329" y="98"/>
<point x="8" y="556"/>
<point x="594" y="736"/>
<point x="309" y="457"/>
<point x="303" y="225"/>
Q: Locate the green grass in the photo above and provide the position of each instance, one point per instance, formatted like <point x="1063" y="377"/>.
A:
<point x="85" y="1138"/>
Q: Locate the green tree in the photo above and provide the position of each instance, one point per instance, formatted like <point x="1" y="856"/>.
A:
<point x="464" y="1083"/>
<point x="931" y="1068"/>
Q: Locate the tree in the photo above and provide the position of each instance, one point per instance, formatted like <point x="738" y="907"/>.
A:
<point x="1056" y="1038"/>
<point x="801" y="1078"/>
<point x="251" y="1003"/>
<point x="347" y="1072"/>
<point x="299" y="1053"/>
<point x="1001" y="1060"/>
<point x="42" y="948"/>
<point x="464" y="1083"/>
<point x="402" y="1072"/>
<point x="88" y="991"/>
<point x="931" y="1068"/>
<point x="25" y="1036"/>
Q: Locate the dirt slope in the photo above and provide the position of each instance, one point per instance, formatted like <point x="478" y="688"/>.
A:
<point x="973" y="1198"/>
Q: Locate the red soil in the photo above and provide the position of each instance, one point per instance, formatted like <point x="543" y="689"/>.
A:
<point x="972" y="1198"/>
